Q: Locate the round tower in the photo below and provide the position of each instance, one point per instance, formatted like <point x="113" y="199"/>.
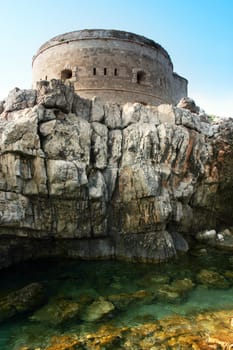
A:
<point x="115" y="65"/>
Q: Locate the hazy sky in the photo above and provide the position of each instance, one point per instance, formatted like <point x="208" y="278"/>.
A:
<point x="198" y="35"/>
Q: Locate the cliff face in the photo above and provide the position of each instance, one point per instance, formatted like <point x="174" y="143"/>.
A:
<point x="83" y="179"/>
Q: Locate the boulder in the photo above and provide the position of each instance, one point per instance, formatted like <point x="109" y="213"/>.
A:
<point x="174" y="292"/>
<point x="183" y="286"/>
<point x="206" y="235"/>
<point x="165" y="293"/>
<point x="97" y="310"/>
<point x="23" y="300"/>
<point x="20" y="99"/>
<point x="57" y="311"/>
<point x="19" y="134"/>
<point x="122" y="300"/>
<point x="152" y="281"/>
<point x="81" y="107"/>
<point x="212" y="279"/>
<point x="54" y="94"/>
<point x="188" y="103"/>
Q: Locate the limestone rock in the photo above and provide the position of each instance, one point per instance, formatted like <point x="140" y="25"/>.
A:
<point x="166" y="114"/>
<point x="212" y="279"/>
<point x="47" y="128"/>
<point x="113" y="116"/>
<point x="136" y="112"/>
<point x="195" y="122"/>
<point x="45" y="115"/>
<point x="81" y="107"/>
<point x="148" y="247"/>
<point x="130" y="114"/>
<point x="55" y="94"/>
<point x="97" y="310"/>
<point x="129" y="181"/>
<point x="174" y="332"/>
<point x="114" y="145"/>
<point x="220" y="237"/>
<point x="19" y="133"/>
<point x="57" y="311"/>
<point x="68" y="139"/>
<point x="99" y="140"/>
<point x="20" y="99"/>
<point x="122" y="300"/>
<point x="65" y="177"/>
<point x="97" y="186"/>
<point x="2" y="103"/>
<point x="182" y="286"/>
<point x="166" y="293"/>
<point x="175" y="291"/>
<point x="13" y="209"/>
<point x="227" y="232"/>
<point x="22" y="300"/>
<point x="206" y="235"/>
<point x="181" y="245"/>
<point x="97" y="110"/>
<point x="23" y="175"/>
<point x="188" y="103"/>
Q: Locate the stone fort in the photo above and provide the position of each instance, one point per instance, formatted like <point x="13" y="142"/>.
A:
<point x="115" y="65"/>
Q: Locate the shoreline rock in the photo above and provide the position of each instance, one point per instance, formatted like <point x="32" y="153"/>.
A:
<point x="130" y="182"/>
<point x="201" y="331"/>
<point x="20" y="301"/>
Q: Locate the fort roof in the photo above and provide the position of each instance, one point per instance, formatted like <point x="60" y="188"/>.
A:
<point x="108" y="34"/>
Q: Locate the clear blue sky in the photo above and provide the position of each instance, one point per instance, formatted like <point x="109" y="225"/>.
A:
<point x="198" y="35"/>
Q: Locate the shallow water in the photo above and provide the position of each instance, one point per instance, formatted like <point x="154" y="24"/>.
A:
<point x="70" y="279"/>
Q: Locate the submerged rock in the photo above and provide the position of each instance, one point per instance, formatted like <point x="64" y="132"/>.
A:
<point x="57" y="311"/>
<point x="174" y="292"/>
<point x="65" y="342"/>
<point x="203" y="331"/>
<point x="199" y="251"/>
<point x="122" y="300"/>
<point x="212" y="279"/>
<point x="183" y="286"/>
<point x="97" y="310"/>
<point x="23" y="300"/>
<point x="150" y="281"/>
<point x="166" y="293"/>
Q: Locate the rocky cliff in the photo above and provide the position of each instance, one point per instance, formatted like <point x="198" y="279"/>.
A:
<point x="83" y="179"/>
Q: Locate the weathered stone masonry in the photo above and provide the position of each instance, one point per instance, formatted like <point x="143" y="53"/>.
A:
<point x="115" y="65"/>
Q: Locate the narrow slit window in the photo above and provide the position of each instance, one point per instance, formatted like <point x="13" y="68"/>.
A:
<point x="115" y="72"/>
<point x="94" y="71"/>
<point x="105" y="71"/>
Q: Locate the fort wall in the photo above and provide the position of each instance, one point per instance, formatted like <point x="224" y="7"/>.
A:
<point x="114" y="65"/>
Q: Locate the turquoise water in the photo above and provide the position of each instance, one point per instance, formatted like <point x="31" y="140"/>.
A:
<point x="69" y="279"/>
